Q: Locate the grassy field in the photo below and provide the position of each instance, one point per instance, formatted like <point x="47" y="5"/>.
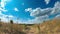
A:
<point x="47" y="27"/>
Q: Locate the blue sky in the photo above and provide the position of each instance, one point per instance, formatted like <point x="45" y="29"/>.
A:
<point x="21" y="9"/>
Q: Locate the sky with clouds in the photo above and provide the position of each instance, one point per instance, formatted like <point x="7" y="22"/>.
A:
<point x="29" y="11"/>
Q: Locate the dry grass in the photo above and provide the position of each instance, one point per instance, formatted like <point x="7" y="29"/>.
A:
<point x="48" y="27"/>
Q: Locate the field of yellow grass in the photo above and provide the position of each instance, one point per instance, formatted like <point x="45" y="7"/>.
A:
<point x="47" y="27"/>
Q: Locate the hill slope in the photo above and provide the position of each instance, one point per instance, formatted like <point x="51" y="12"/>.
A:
<point x="50" y="27"/>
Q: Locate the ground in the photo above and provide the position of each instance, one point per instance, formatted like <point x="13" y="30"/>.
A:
<point x="47" y="27"/>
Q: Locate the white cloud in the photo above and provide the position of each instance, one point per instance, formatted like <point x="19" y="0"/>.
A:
<point x="39" y="12"/>
<point x="56" y="8"/>
<point x="0" y="12"/>
<point x="2" y="9"/>
<point x="10" y="16"/>
<point x="37" y="20"/>
<point x="2" y="6"/>
<point x="35" y="12"/>
<point x="16" y="9"/>
<point x="58" y="16"/>
<point x="47" y="1"/>
<point x="4" y="2"/>
<point x="29" y="9"/>
<point x="5" y="18"/>
<point x="44" y="14"/>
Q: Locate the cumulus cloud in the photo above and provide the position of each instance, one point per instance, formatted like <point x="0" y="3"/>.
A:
<point x="56" y="9"/>
<point x="47" y="1"/>
<point x="39" y="12"/>
<point x="44" y="14"/>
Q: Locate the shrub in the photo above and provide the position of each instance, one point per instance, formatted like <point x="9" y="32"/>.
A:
<point x="11" y="21"/>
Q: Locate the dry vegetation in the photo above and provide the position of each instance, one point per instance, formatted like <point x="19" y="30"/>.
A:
<point x="48" y="27"/>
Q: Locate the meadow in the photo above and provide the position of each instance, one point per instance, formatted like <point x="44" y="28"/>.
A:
<point x="47" y="27"/>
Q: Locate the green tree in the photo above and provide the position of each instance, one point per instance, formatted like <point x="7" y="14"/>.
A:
<point x="11" y="21"/>
<point x="0" y="20"/>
